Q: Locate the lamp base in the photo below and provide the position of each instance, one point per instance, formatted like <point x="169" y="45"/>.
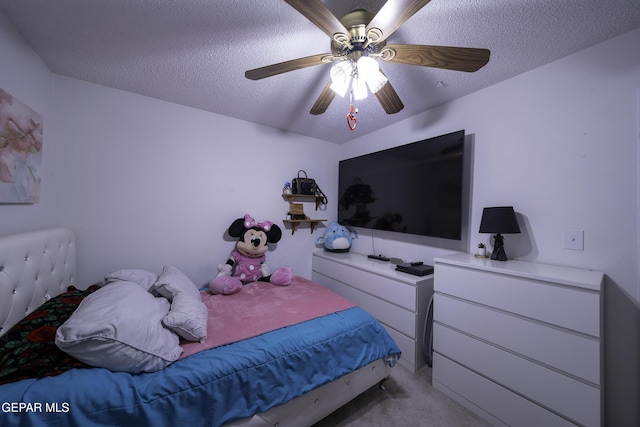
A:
<point x="498" y="253"/>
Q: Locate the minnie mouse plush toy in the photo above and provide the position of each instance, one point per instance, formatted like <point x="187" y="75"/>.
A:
<point x="247" y="263"/>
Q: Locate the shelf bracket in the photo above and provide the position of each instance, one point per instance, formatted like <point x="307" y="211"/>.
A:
<point x="313" y="223"/>
<point x="294" y="226"/>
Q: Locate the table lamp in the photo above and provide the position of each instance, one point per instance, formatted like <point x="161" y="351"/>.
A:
<point x="499" y="220"/>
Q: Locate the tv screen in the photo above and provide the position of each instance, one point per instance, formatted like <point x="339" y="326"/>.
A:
<point x="415" y="188"/>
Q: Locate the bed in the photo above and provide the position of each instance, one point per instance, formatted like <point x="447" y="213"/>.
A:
<point x="293" y="374"/>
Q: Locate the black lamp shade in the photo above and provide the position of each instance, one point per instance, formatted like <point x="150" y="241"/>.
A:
<point x="499" y="220"/>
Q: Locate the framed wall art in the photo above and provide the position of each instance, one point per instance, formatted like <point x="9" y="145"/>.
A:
<point x="20" y="151"/>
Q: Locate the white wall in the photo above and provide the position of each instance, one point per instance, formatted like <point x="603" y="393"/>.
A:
<point x="146" y="183"/>
<point x="560" y="144"/>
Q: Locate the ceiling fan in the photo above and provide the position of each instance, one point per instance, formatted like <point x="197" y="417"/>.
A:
<point x="361" y="34"/>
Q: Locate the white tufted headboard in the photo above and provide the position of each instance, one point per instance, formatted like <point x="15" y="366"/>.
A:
<point x="34" y="267"/>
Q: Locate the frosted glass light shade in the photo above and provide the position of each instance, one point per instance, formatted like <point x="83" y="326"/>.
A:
<point x="369" y="71"/>
<point x="341" y="77"/>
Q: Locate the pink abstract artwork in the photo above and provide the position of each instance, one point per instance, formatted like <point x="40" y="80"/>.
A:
<point x="20" y="151"/>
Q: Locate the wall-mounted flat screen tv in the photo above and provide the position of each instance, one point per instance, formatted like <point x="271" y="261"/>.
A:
<point x="417" y="188"/>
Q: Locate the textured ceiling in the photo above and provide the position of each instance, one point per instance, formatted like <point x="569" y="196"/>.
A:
<point x="195" y="52"/>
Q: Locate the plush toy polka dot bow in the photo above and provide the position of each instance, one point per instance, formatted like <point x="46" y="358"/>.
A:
<point x="250" y="222"/>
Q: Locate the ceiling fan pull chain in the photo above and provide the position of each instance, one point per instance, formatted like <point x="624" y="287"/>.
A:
<point x="351" y="119"/>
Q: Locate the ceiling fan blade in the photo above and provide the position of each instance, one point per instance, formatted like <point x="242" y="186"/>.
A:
<point x="393" y="14"/>
<point x="285" y="67"/>
<point x="316" y="12"/>
<point x="450" y="58"/>
<point x="389" y="99"/>
<point x="323" y="101"/>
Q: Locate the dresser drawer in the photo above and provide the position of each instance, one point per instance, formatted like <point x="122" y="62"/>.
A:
<point x="486" y="396"/>
<point x="578" y="401"/>
<point x="398" y="318"/>
<point x="402" y="294"/>
<point x="572" y="308"/>
<point x="578" y="355"/>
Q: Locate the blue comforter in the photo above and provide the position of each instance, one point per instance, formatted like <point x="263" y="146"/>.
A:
<point x="208" y="388"/>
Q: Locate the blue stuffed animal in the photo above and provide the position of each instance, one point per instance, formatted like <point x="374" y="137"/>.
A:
<point x="337" y="238"/>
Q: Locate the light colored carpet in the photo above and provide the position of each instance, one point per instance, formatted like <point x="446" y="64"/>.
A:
<point x="408" y="400"/>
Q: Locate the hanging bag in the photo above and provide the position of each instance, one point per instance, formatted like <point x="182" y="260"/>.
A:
<point x="304" y="185"/>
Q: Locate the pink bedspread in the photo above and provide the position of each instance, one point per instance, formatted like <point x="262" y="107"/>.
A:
<point x="262" y="307"/>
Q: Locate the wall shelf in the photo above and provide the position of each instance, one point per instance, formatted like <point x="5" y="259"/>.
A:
<point x="303" y="198"/>
<point x="313" y="223"/>
<point x="295" y="223"/>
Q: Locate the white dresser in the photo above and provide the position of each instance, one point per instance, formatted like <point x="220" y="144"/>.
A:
<point x="398" y="300"/>
<point x="519" y="343"/>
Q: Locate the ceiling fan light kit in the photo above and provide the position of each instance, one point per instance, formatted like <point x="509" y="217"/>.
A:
<point x="357" y="41"/>
<point x="361" y="74"/>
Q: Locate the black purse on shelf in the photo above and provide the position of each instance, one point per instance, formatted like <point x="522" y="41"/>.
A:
<point x="304" y="185"/>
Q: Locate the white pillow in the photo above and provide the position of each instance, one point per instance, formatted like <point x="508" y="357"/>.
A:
<point x="144" y="278"/>
<point x="188" y="317"/>
<point x="119" y="327"/>
<point x="173" y="281"/>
